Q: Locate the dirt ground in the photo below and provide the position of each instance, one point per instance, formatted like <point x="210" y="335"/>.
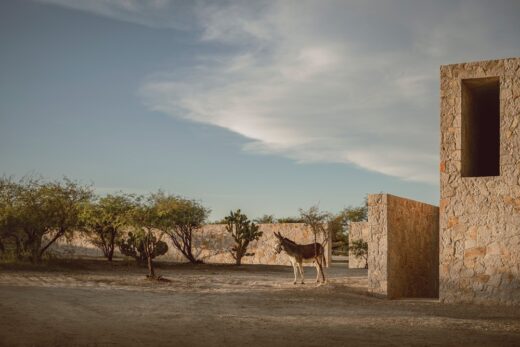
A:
<point x="93" y="303"/>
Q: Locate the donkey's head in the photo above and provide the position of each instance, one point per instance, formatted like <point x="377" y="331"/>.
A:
<point x="279" y="242"/>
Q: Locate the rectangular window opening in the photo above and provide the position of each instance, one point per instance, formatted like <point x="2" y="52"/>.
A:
<point x="480" y="127"/>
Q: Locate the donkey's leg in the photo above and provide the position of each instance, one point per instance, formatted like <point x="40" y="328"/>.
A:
<point x="321" y="268"/>
<point x="317" y="271"/>
<point x="300" y="265"/>
<point x="295" y="272"/>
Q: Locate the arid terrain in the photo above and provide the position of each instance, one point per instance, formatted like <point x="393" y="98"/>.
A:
<point x="93" y="303"/>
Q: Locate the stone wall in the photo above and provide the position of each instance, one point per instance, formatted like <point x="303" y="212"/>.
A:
<point x="377" y="244"/>
<point x="403" y="247"/>
<point x="480" y="216"/>
<point x="357" y="231"/>
<point x="212" y="244"/>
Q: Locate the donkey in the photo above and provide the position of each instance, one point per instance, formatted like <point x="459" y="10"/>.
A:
<point x="299" y="254"/>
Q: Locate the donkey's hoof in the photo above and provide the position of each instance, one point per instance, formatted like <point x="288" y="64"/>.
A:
<point x="294" y="283"/>
<point x="303" y="282"/>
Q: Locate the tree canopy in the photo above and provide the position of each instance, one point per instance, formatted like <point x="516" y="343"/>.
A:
<point x="104" y="219"/>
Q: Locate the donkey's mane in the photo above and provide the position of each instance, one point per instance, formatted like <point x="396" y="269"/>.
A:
<point x="289" y="240"/>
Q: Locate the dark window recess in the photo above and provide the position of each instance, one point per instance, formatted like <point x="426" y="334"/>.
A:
<point x="481" y="127"/>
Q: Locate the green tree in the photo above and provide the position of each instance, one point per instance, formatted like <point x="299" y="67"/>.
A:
<point x="180" y="218"/>
<point x="243" y="232"/>
<point x="104" y="220"/>
<point x="44" y="212"/>
<point x="146" y="238"/>
<point x="359" y="249"/>
<point x="10" y="233"/>
<point x="355" y="214"/>
<point x="339" y="226"/>
<point x="317" y="221"/>
<point x="337" y="229"/>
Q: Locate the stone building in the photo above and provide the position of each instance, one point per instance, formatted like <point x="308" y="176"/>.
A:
<point x="480" y="182"/>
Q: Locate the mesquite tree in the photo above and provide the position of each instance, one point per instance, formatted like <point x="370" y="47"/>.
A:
<point x="146" y="220"/>
<point x="339" y="226"/>
<point x="40" y="213"/>
<point x="180" y="218"/>
<point x="10" y="233"/>
<point x="104" y="219"/>
<point x="317" y="221"/>
<point x="243" y="232"/>
<point x="359" y="249"/>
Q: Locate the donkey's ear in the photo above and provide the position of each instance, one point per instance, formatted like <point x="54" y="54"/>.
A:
<point x="277" y="234"/>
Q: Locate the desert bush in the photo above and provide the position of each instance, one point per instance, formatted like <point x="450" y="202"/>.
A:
<point x="132" y="245"/>
<point x="265" y="219"/>
<point x="243" y="232"/>
<point x="289" y="220"/>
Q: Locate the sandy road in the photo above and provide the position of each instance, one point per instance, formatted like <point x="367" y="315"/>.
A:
<point x="90" y="303"/>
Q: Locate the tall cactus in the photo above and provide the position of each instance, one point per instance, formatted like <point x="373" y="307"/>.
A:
<point x="243" y="232"/>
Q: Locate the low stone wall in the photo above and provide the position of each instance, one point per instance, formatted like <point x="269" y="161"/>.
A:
<point x="403" y="247"/>
<point x="212" y="244"/>
<point x="358" y="231"/>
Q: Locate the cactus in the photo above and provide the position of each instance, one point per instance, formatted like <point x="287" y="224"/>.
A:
<point x="134" y="246"/>
<point x="243" y="232"/>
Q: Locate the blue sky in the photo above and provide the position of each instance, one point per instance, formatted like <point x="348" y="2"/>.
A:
<point x="266" y="106"/>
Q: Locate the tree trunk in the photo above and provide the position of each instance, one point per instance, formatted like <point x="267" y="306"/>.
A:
<point x="59" y="234"/>
<point x="18" y="248"/>
<point x="151" y="272"/>
<point x="111" y="247"/>
<point x="36" y="255"/>
<point x="239" y="255"/>
<point x="190" y="256"/>
<point x="184" y="246"/>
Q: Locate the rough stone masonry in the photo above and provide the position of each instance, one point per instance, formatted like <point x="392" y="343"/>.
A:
<point x="212" y="243"/>
<point x="403" y="247"/>
<point x="480" y="182"/>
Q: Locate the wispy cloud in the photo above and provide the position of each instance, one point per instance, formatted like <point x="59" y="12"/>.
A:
<point x="342" y="82"/>
<point x="177" y="14"/>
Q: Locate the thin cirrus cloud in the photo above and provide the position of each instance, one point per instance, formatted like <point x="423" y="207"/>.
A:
<point x="335" y="82"/>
